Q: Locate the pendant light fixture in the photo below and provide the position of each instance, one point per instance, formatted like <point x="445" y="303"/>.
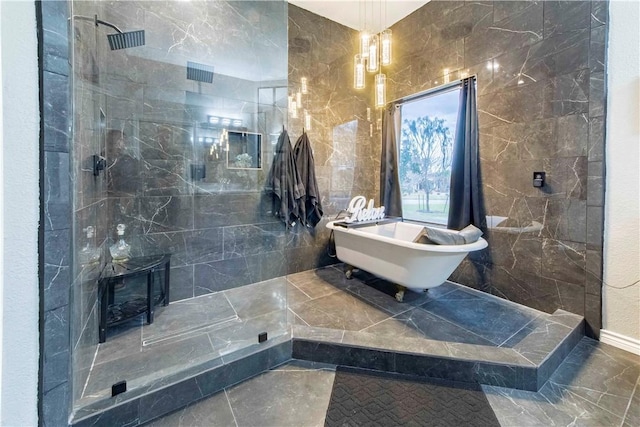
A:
<point x="381" y="90"/>
<point x="373" y="60"/>
<point x="358" y="72"/>
<point x="385" y="47"/>
<point x="375" y="52"/>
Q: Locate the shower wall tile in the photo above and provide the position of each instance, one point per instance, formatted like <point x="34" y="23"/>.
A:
<point x="166" y="213"/>
<point x="562" y="17"/>
<point x="599" y="13"/>
<point x="594" y="283"/>
<point x="595" y="195"/>
<point x="57" y="194"/>
<point x="504" y="9"/>
<point x="597" y="94"/>
<point x="56" y="331"/>
<point x="56" y="286"/>
<point x="564" y="261"/>
<point x="55" y="42"/>
<point x="593" y="315"/>
<point x="55" y="406"/>
<point x="595" y="225"/>
<point x="567" y="94"/>
<point x="598" y="48"/>
<point x="517" y="30"/>
<point x="222" y="275"/>
<point x="56" y="370"/>
<point x="181" y="285"/>
<point x="56" y="111"/>
<point x="596" y="139"/>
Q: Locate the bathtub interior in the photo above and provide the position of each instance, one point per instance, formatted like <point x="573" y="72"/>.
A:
<point x="402" y="231"/>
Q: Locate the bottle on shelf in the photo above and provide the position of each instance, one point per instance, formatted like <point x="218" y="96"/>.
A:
<point x="120" y="251"/>
<point x="89" y="254"/>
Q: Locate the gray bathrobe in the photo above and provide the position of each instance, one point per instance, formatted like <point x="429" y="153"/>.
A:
<point x="311" y="208"/>
<point x="284" y="186"/>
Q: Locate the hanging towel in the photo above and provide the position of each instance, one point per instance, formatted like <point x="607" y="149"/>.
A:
<point x="311" y="208"/>
<point x="284" y="186"/>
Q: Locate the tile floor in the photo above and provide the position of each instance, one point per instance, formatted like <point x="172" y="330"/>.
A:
<point x="596" y="385"/>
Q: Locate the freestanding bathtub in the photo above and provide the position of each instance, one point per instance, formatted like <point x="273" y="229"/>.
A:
<point x="386" y="249"/>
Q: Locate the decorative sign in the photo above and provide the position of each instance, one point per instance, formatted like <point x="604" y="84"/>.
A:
<point x="360" y="213"/>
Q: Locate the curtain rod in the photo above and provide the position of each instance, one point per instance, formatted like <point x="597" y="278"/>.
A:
<point x="431" y="91"/>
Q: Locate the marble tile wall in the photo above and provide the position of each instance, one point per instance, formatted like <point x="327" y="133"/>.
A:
<point x="56" y="212"/>
<point x="540" y="109"/>
<point x="344" y="142"/>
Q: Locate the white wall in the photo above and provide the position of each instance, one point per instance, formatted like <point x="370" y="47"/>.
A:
<point x="621" y="307"/>
<point x="19" y="218"/>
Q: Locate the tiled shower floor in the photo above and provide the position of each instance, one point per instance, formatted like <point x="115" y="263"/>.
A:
<point x="190" y="332"/>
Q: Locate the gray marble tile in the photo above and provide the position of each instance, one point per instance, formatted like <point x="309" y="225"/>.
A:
<point x="562" y="17"/>
<point x="339" y="311"/>
<point x="337" y="354"/>
<point x="598" y="373"/>
<point x="188" y="315"/>
<point x="491" y="320"/>
<point x="56" y="331"/>
<point x="567" y="94"/>
<point x="258" y="299"/>
<point x="526" y="408"/>
<point x="236" y="336"/>
<point x="632" y="417"/>
<point x="595" y="225"/>
<point x="417" y="323"/>
<point x="596" y="139"/>
<point x="537" y="339"/>
<point x="597" y="94"/>
<point x="56" y="112"/>
<point x="147" y="366"/>
<point x="318" y="283"/>
<point x="285" y="396"/>
<point x="599" y="13"/>
<point x="213" y="411"/>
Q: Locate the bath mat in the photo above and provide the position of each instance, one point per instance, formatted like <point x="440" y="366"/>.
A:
<point x="372" y="398"/>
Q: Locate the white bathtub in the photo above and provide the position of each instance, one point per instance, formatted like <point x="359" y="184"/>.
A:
<point x="388" y="251"/>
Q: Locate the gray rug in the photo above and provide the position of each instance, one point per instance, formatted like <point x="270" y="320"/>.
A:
<point x="372" y="398"/>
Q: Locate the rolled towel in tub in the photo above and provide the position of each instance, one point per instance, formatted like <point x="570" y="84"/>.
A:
<point x="441" y="236"/>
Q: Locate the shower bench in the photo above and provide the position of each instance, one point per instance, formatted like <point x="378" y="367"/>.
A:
<point x="125" y="277"/>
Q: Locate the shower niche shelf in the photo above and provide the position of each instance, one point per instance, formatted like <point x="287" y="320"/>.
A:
<point x="130" y="288"/>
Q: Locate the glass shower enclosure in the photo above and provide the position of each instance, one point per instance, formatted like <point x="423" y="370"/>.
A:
<point x="177" y="107"/>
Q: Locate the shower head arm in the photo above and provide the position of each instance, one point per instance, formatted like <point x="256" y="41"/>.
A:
<point x="97" y="21"/>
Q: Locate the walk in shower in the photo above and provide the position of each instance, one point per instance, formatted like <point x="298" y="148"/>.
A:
<point x="174" y="128"/>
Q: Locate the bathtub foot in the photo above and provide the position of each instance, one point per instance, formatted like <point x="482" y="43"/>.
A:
<point x="400" y="293"/>
<point x="349" y="272"/>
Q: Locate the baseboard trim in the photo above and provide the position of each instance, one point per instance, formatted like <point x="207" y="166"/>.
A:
<point x="621" y="341"/>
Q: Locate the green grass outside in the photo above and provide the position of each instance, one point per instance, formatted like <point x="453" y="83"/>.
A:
<point x="413" y="208"/>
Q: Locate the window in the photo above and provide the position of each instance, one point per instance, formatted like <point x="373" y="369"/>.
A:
<point x="426" y="145"/>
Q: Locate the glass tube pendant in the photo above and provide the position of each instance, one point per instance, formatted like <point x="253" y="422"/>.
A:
<point x="385" y="47"/>
<point x="364" y="43"/>
<point x="299" y="99"/>
<point x="381" y="90"/>
<point x="358" y="72"/>
<point x="307" y="120"/>
<point x="304" y="88"/>
<point x="372" y="62"/>
<point x="294" y="110"/>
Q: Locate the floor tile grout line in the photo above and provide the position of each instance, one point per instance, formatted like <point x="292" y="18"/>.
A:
<point x="451" y="323"/>
<point x="635" y="389"/>
<point x="518" y="331"/>
<point x="226" y="394"/>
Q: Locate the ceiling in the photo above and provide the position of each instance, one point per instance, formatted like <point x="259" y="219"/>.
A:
<point x="379" y="14"/>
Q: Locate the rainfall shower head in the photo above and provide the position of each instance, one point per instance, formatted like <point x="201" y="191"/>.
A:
<point x="126" y="40"/>
<point x="121" y="40"/>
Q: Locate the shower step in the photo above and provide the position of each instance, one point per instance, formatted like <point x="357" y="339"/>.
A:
<point x="527" y="365"/>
